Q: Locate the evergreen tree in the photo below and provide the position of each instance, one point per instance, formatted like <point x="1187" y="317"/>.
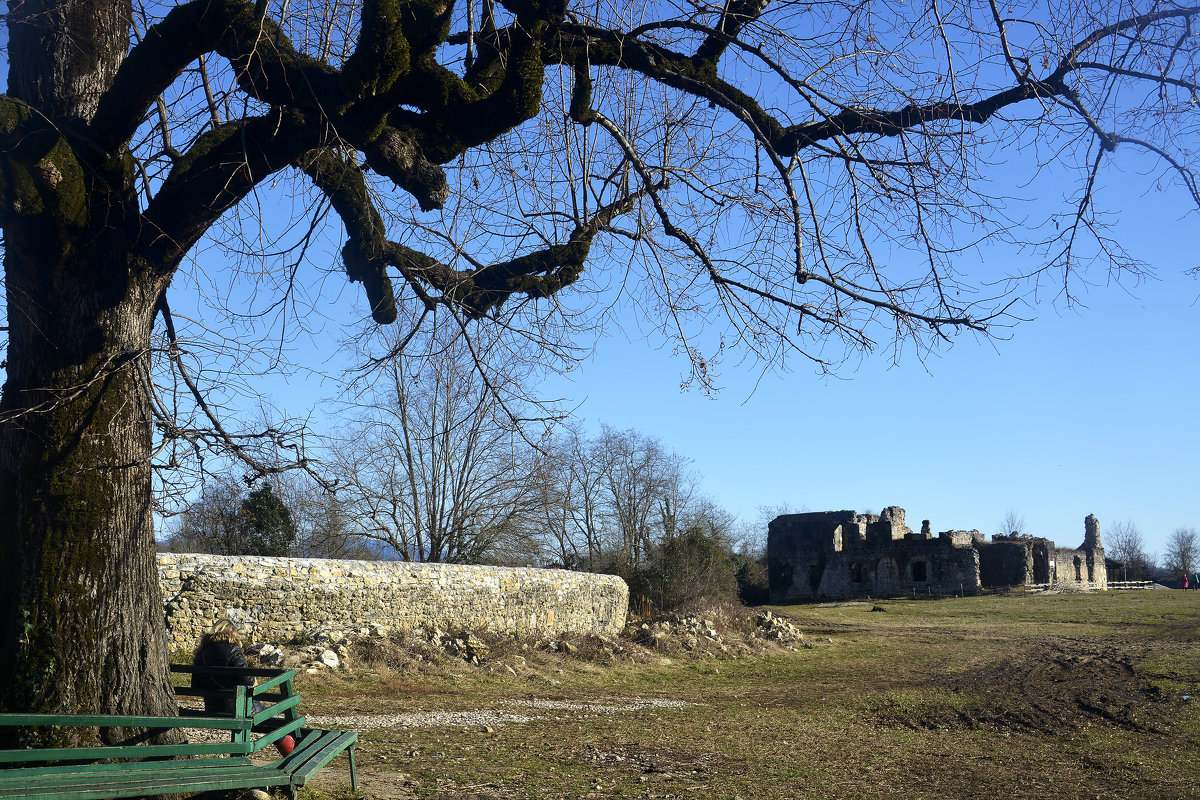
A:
<point x="267" y="525"/>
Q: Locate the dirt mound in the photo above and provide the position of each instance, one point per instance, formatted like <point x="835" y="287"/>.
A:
<point x="1056" y="686"/>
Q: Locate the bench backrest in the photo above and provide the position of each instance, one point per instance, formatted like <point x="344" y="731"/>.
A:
<point x="249" y="732"/>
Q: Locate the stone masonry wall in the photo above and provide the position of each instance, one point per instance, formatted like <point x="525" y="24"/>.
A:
<point x="278" y="598"/>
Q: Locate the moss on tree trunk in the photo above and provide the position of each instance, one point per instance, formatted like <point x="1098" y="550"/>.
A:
<point x="82" y="623"/>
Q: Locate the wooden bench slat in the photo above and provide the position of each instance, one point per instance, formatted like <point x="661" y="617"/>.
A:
<point x="88" y="773"/>
<point x="278" y="732"/>
<point x="15" y="774"/>
<point x="271" y="674"/>
<point x="273" y="683"/>
<point x="123" y="721"/>
<point x="133" y="751"/>
<point x="315" y="756"/>
<point x="167" y="783"/>
<point x="165" y="773"/>
<point x="273" y="710"/>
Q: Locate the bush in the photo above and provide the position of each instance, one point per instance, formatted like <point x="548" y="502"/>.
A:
<point x="752" y="585"/>
<point x="687" y="570"/>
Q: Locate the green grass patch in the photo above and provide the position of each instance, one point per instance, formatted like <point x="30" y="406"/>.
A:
<point x="1007" y="696"/>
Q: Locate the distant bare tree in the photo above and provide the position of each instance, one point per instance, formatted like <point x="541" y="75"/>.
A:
<point x="323" y="520"/>
<point x="1180" y="556"/>
<point x="1013" y="522"/>
<point x="570" y="501"/>
<point x="713" y="520"/>
<point x="644" y="483"/>
<point x="211" y="524"/>
<point x="609" y="500"/>
<point x="1124" y="543"/>
<point x="224" y="522"/>
<point x="435" y="468"/>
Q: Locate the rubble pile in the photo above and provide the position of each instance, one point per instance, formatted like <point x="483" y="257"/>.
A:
<point x="718" y="635"/>
<point x="776" y="629"/>
<point x="706" y="635"/>
<point x="312" y="650"/>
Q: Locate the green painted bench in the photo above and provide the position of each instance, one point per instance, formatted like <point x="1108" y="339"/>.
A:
<point x="99" y="772"/>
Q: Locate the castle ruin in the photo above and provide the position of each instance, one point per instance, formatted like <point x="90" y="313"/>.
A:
<point x="842" y="554"/>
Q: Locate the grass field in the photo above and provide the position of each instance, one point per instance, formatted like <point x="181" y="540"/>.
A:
<point x="1056" y="696"/>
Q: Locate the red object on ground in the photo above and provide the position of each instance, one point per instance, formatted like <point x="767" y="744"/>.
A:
<point x="285" y="745"/>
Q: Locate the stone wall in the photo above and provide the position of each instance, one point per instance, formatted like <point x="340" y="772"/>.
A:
<point x="1006" y="561"/>
<point x="843" y="554"/>
<point x="275" y="599"/>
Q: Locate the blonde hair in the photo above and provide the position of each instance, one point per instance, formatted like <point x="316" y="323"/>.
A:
<point x="223" y="631"/>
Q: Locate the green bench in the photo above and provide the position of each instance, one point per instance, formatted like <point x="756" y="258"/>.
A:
<point x="99" y="772"/>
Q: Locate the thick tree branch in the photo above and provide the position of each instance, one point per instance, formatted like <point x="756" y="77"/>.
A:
<point x="395" y="154"/>
<point x="220" y="169"/>
<point x="573" y="43"/>
<point x="266" y="65"/>
<point x="736" y="15"/>
<point x="364" y="252"/>
<point x="187" y="32"/>
<point x="40" y="174"/>
<point x="459" y="119"/>
<point x="541" y="273"/>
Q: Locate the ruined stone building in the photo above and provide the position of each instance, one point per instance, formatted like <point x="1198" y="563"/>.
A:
<point x="843" y="554"/>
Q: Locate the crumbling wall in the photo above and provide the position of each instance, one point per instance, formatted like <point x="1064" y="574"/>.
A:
<point x="1080" y="568"/>
<point x="904" y="566"/>
<point x="841" y="554"/>
<point x="1005" y="561"/>
<point x="278" y="598"/>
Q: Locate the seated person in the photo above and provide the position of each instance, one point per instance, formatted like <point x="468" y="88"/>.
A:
<point x="221" y="646"/>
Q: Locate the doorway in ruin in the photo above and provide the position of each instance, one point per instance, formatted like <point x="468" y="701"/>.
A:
<point x="887" y="575"/>
<point x="814" y="577"/>
<point x="1041" y="563"/>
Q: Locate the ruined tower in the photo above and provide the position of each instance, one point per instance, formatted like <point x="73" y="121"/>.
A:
<point x="1091" y="532"/>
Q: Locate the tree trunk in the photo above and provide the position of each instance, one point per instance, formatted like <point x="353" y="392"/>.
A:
<point x="81" y="617"/>
<point x="83" y="627"/>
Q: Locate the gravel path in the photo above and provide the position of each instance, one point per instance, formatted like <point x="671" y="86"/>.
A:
<point x="483" y="718"/>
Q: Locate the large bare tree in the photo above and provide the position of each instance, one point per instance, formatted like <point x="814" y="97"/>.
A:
<point x="773" y="176"/>
<point x="434" y="467"/>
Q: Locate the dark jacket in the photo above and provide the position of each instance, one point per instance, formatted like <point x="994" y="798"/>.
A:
<point x="220" y="654"/>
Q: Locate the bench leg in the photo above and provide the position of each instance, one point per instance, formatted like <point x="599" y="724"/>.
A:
<point x="353" y="772"/>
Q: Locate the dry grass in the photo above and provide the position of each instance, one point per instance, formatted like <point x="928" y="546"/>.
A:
<point x="1082" y="696"/>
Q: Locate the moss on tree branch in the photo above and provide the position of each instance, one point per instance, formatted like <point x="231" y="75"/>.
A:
<point x="40" y="174"/>
<point x="541" y="273"/>
<point x="220" y="169"/>
<point x="364" y="253"/>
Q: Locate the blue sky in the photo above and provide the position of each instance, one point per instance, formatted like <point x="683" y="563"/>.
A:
<point x="1085" y="409"/>
<point x="1090" y="408"/>
<point x="1089" y="411"/>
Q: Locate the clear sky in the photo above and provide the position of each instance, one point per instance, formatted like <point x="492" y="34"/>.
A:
<point x="1084" y="410"/>
<point x="1090" y="412"/>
